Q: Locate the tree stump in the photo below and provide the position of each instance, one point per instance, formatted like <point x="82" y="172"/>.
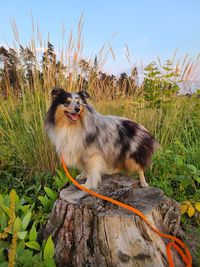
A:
<point x="91" y="232"/>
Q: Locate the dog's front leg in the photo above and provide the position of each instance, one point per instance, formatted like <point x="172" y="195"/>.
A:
<point x="93" y="180"/>
<point x="94" y="168"/>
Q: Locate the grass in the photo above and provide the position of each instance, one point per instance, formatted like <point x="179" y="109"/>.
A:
<point x="23" y="141"/>
<point x="26" y="151"/>
<point x="28" y="160"/>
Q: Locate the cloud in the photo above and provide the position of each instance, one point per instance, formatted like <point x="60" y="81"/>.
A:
<point x="40" y="49"/>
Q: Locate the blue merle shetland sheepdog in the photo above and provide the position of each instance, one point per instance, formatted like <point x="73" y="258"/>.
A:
<point x="94" y="143"/>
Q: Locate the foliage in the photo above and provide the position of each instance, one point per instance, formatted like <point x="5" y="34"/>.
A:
<point x="160" y="83"/>
<point x="190" y="208"/>
<point x="183" y="179"/>
<point x="28" y="161"/>
<point x="179" y="179"/>
<point x="29" y="250"/>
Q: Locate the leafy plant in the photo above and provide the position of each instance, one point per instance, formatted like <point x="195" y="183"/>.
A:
<point x="20" y="234"/>
<point x="160" y="82"/>
<point x="48" y="199"/>
<point x="190" y="207"/>
<point x="175" y="176"/>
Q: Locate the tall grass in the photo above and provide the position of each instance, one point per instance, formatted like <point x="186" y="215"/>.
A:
<point x="24" y="146"/>
<point x="172" y="121"/>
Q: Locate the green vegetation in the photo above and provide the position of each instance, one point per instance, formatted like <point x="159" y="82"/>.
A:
<point x="30" y="173"/>
<point x="16" y="218"/>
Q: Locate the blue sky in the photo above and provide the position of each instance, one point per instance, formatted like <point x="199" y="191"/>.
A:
<point x="149" y="28"/>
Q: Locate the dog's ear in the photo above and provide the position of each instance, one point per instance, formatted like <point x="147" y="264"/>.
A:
<point x="84" y="94"/>
<point x="55" y="92"/>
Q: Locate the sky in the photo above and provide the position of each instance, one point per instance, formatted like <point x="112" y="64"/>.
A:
<point x="149" y="28"/>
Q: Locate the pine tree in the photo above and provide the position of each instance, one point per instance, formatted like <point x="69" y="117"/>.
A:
<point x="49" y="57"/>
<point x="28" y="59"/>
<point x="9" y="62"/>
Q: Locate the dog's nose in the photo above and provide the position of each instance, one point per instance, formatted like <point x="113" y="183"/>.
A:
<point x="77" y="109"/>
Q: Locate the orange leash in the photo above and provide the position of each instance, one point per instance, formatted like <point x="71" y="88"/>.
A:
<point x="176" y="243"/>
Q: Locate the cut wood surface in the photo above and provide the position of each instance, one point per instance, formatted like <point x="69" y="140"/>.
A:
<point x="91" y="232"/>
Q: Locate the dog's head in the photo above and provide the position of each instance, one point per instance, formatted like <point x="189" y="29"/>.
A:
<point x="66" y="108"/>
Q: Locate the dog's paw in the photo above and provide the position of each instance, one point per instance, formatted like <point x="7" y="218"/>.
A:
<point x="144" y="184"/>
<point x="81" y="176"/>
<point x="89" y="185"/>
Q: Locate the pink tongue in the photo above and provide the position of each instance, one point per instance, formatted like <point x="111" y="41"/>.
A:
<point x="74" y="117"/>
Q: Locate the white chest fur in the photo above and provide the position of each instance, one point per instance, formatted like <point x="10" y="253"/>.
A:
<point x="69" y="142"/>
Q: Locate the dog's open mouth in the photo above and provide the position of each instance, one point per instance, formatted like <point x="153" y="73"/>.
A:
<point x="72" y="116"/>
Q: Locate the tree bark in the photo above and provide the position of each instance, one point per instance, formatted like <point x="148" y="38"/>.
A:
<point x="91" y="232"/>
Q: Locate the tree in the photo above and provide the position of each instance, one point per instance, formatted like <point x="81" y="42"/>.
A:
<point x="95" y="63"/>
<point x="123" y="83"/>
<point x="9" y="62"/>
<point x="84" y="67"/>
<point x="48" y="58"/>
<point x="28" y="59"/>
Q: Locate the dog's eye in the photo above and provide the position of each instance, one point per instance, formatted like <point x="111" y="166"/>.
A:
<point x="78" y="103"/>
<point x="66" y="103"/>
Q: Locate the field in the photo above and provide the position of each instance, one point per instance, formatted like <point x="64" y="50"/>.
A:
<point x="30" y="172"/>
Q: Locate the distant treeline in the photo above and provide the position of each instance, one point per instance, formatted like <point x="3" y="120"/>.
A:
<point x="19" y="69"/>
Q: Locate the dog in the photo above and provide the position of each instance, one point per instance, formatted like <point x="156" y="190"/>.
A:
<point x="94" y="143"/>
